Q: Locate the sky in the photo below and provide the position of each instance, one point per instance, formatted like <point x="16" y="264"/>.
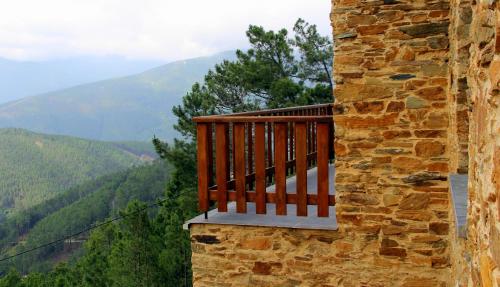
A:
<point x="164" y="30"/>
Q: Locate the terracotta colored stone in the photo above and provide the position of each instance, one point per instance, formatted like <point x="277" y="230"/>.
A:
<point x="413" y="215"/>
<point x="430" y="133"/>
<point x="387" y="243"/>
<point x="432" y="93"/>
<point x="393" y="230"/>
<point x="426" y="238"/>
<point x="415" y="201"/>
<point x="260" y="243"/>
<point x="369" y="107"/>
<point x="362" y="144"/>
<point x="265" y="268"/>
<point x="340" y="149"/>
<point x="366" y="122"/>
<point x="356" y="20"/>
<point x="355" y="219"/>
<point x="398" y="252"/>
<point x="360" y="199"/>
<point x="348" y="60"/>
<point x="372" y="29"/>
<point x="439" y="228"/>
<point x="391" y="200"/>
<point x="438" y="167"/>
<point x="429" y="148"/>
<point x="396" y="134"/>
<point x="381" y="160"/>
<point x="395" y="107"/>
<point x="407" y="163"/>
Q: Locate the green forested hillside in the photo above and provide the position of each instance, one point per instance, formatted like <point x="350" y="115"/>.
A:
<point x="128" y="108"/>
<point x="35" y="167"/>
<point x="77" y="209"/>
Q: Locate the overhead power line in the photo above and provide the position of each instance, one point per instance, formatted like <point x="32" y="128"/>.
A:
<point x="157" y="203"/>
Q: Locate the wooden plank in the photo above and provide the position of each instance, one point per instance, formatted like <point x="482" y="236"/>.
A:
<point x="270" y="149"/>
<point x="222" y="146"/>
<point x="210" y="154"/>
<point x="239" y="167"/>
<point x="291" y="198"/>
<point x="203" y="173"/>
<point x="323" y="170"/>
<point x="250" y="153"/>
<point x="280" y="145"/>
<point x="301" y="167"/>
<point x="233" y="153"/>
<point x="261" y="119"/>
<point x="260" y="168"/>
<point x="228" y="154"/>
<point x="277" y="111"/>
<point x="291" y="135"/>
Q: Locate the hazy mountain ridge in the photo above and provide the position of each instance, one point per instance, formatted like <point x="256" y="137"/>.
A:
<point x="25" y="78"/>
<point x="128" y="108"/>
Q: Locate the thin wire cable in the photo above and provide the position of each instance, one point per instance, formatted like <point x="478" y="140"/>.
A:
<point x="157" y="203"/>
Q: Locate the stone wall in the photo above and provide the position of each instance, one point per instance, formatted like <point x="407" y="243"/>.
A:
<point x="264" y="256"/>
<point x="459" y="92"/>
<point x="484" y="148"/>
<point x="392" y="119"/>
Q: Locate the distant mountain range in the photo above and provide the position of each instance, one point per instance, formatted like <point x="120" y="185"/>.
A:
<point x="36" y="167"/>
<point x="19" y="79"/>
<point x="128" y="108"/>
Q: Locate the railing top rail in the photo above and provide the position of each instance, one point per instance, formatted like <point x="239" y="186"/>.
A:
<point x="264" y="113"/>
<point x="262" y="119"/>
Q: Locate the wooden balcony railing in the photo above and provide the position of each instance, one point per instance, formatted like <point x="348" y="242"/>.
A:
<point x="254" y="150"/>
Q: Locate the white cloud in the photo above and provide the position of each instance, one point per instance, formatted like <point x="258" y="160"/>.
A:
<point x="159" y="29"/>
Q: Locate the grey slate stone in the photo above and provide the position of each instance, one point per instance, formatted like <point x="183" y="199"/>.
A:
<point x="459" y="194"/>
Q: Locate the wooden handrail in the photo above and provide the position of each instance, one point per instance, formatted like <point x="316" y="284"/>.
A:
<point x="278" y="111"/>
<point x="253" y="150"/>
<point x="262" y="119"/>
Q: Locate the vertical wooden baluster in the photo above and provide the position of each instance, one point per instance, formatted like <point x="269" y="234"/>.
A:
<point x="250" y="153"/>
<point x="286" y="149"/>
<point x="228" y="154"/>
<point x="239" y="167"/>
<point x="221" y="159"/>
<point x="331" y="148"/>
<point x="323" y="169"/>
<point x="210" y="143"/>
<point x="203" y="166"/>
<point x="280" y="166"/>
<point x="260" y="168"/>
<point x="310" y="146"/>
<point x="270" y="149"/>
<point x="233" y="150"/>
<point x="291" y="135"/>
<point x="315" y="139"/>
<point x="301" y="167"/>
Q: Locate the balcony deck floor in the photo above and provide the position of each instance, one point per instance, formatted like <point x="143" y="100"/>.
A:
<point x="291" y="220"/>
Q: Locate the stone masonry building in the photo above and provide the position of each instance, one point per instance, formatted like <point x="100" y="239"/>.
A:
<point x="417" y="100"/>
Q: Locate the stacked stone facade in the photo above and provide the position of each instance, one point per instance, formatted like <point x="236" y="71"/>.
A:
<point x="484" y="148"/>
<point x="459" y="92"/>
<point x="392" y="119"/>
<point x="416" y="98"/>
